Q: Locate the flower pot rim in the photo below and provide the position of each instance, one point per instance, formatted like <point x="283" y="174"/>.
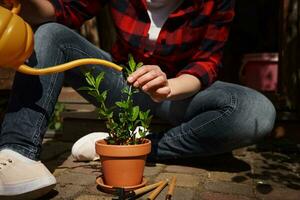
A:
<point x="100" y="142"/>
<point x="261" y="57"/>
<point x="111" y="150"/>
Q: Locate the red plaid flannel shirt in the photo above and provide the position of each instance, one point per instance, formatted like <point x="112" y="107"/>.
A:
<point x="190" y="42"/>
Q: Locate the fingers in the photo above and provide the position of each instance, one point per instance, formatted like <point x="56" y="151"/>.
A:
<point x="149" y="84"/>
<point x="152" y="80"/>
<point x="146" y="74"/>
<point x="142" y="71"/>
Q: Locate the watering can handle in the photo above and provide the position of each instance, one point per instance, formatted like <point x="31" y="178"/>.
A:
<point x="49" y="70"/>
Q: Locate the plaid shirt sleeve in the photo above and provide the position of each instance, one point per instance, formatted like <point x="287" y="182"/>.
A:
<point x="205" y="63"/>
<point x="73" y="13"/>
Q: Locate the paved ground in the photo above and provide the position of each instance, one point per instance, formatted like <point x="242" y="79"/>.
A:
<point x="268" y="171"/>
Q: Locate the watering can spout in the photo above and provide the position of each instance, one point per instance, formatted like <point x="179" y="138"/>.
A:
<point x="16" y="45"/>
<point x="63" y="67"/>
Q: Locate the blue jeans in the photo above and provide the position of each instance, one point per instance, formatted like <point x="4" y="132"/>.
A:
<point x="218" y="119"/>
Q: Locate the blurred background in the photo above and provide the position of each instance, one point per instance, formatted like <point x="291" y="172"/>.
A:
<point x="262" y="53"/>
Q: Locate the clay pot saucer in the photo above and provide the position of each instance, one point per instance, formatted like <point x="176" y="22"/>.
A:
<point x="111" y="189"/>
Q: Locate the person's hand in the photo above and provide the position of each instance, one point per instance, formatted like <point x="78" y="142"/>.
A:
<point x="152" y="80"/>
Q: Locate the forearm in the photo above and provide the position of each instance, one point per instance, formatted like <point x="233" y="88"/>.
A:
<point x="37" y="11"/>
<point x="184" y="86"/>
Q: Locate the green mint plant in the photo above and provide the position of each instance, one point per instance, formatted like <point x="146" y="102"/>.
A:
<point x="120" y="128"/>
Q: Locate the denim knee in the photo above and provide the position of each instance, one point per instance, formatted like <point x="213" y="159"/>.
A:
<point x="50" y="33"/>
<point x="268" y="119"/>
<point x="257" y="115"/>
<point x="50" y="39"/>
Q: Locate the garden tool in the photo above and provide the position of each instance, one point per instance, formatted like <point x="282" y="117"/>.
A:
<point x="156" y="192"/>
<point x="16" y="45"/>
<point x="122" y="194"/>
<point x="171" y="189"/>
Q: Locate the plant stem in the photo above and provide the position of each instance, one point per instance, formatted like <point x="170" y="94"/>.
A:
<point x="129" y="99"/>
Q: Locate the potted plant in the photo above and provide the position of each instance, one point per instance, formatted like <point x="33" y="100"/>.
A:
<point x="122" y="153"/>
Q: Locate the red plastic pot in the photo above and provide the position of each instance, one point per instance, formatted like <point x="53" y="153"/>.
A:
<point x="260" y="71"/>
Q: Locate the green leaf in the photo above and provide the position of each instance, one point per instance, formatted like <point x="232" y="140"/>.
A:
<point x="109" y="114"/>
<point x="93" y="93"/>
<point x="135" y="113"/>
<point x="139" y="65"/>
<point x="128" y="71"/>
<point x="99" y="79"/>
<point x="104" y="95"/>
<point x="125" y="90"/>
<point x="102" y="113"/>
<point x="85" y="88"/>
<point x="142" y="116"/>
<point x="99" y="98"/>
<point x="148" y="121"/>
<point x="90" y="79"/>
<point x="111" y="141"/>
<point x="122" y="120"/>
<point x="57" y="125"/>
<point x="131" y="63"/>
<point x="122" y="104"/>
<point x="146" y="114"/>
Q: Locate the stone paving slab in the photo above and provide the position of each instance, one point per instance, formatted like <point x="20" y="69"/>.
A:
<point x="229" y="188"/>
<point x="221" y="196"/>
<point x="249" y="173"/>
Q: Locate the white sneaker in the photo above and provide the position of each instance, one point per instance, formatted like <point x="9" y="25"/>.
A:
<point x="84" y="148"/>
<point x="23" y="178"/>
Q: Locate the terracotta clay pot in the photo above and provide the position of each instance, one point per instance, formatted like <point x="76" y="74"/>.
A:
<point x="123" y="165"/>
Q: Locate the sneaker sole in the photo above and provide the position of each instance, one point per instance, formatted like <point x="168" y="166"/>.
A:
<point x="30" y="195"/>
<point x="30" y="190"/>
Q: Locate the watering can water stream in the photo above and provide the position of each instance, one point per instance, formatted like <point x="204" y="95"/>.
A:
<point x="16" y="46"/>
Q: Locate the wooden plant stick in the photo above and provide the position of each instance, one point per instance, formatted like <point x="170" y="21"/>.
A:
<point x="147" y="188"/>
<point x="171" y="189"/>
<point x="143" y="190"/>
<point x="154" y="194"/>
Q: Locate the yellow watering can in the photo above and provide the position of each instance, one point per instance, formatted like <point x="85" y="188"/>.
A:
<point x="16" y="45"/>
